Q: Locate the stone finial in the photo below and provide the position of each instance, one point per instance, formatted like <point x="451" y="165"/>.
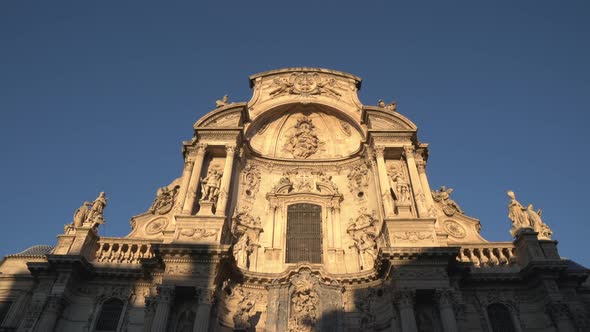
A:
<point x="222" y="102"/>
<point x="390" y="107"/>
<point x="526" y="218"/>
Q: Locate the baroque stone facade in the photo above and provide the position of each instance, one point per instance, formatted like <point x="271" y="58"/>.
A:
<point x="300" y="210"/>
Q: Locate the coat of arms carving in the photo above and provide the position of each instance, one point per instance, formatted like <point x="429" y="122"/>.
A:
<point x="304" y="142"/>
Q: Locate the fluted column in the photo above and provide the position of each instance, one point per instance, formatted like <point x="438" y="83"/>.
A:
<point x="191" y="194"/>
<point x="53" y="309"/>
<point x="205" y="298"/>
<point x="17" y="310"/>
<point x="384" y="181"/>
<point x="230" y="150"/>
<point x="447" y="314"/>
<point x="406" y="310"/>
<point x="189" y="163"/>
<point x="419" y="195"/>
<point x="165" y="297"/>
<point x="149" y="311"/>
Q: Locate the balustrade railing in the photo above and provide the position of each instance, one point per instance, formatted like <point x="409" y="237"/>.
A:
<point x="488" y="255"/>
<point x="123" y="251"/>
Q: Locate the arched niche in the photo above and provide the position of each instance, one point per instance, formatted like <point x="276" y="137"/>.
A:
<point x="305" y="132"/>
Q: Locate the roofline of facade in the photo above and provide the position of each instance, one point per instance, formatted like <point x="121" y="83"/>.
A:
<point x="358" y="80"/>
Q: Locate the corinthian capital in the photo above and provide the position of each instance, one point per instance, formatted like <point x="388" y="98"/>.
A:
<point x="379" y="150"/>
<point x="409" y="151"/>
<point x="230" y="148"/>
<point x="201" y="147"/>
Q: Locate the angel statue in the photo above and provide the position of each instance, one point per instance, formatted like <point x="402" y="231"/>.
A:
<point x="443" y="196"/>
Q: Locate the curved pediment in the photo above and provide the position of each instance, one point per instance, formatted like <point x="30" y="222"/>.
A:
<point x="378" y="118"/>
<point x="305" y="132"/>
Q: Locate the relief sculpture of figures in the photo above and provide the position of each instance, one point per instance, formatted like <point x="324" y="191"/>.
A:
<point x="246" y="230"/>
<point x="443" y="196"/>
<point x="164" y="200"/>
<point x="210" y="185"/>
<point x="364" y="232"/>
<point x="246" y="308"/>
<point x="304" y="142"/>
<point x="526" y="218"/>
<point x="304" y="307"/>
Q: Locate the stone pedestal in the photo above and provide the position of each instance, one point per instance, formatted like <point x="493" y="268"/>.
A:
<point x="403" y="210"/>
<point x="412" y="232"/>
<point x="198" y="229"/>
<point x="206" y="208"/>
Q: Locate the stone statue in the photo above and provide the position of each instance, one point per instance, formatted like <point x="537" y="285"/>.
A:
<point x="400" y="187"/>
<point x="164" y="200"/>
<point x="210" y="186"/>
<point x="222" y="102"/>
<point x="526" y="218"/>
<point x="392" y="106"/>
<point x="81" y="214"/>
<point x="95" y="215"/>
<point x="443" y="196"/>
<point x="381" y="103"/>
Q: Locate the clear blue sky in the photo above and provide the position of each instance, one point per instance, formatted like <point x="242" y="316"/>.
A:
<point x="98" y="95"/>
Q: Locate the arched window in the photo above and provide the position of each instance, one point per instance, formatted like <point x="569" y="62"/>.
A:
<point x="500" y="318"/>
<point x="304" y="233"/>
<point x="110" y="315"/>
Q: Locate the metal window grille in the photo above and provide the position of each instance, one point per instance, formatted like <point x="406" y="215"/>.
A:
<point x="110" y="314"/>
<point x="304" y="233"/>
<point x="500" y="318"/>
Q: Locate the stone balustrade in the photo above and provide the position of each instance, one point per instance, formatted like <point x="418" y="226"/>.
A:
<point x="122" y="251"/>
<point x="488" y="255"/>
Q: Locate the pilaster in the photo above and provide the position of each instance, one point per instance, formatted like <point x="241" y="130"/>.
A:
<point x="419" y="195"/>
<point x="205" y="299"/>
<point x="447" y="314"/>
<point x="405" y="301"/>
<point x="165" y="298"/>
<point x="383" y="181"/>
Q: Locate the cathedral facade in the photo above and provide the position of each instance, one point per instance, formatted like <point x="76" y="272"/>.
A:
<point x="299" y="210"/>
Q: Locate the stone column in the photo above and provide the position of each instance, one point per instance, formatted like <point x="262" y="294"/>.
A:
<point x="272" y="308"/>
<point x="189" y="163"/>
<point x="384" y="181"/>
<point x="406" y="310"/>
<point x="445" y="306"/>
<point x="205" y="298"/>
<point x="419" y="195"/>
<point x="17" y="309"/>
<point x="191" y="194"/>
<point x="165" y="297"/>
<point x="230" y="150"/>
<point x="53" y="309"/>
<point x="149" y="310"/>
<point x="426" y="187"/>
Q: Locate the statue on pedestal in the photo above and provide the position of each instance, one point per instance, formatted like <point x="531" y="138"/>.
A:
<point x="81" y="214"/>
<point x="210" y="186"/>
<point x="95" y="215"/>
<point x="526" y="218"/>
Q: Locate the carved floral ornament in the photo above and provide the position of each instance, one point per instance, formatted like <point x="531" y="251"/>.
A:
<point x="250" y="180"/>
<point x="304" y="304"/>
<point x="454" y="229"/>
<point x="305" y="84"/>
<point x="305" y="181"/>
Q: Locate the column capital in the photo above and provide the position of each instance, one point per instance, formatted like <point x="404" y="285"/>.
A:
<point x="379" y="150"/>
<point x="205" y="296"/>
<point x="230" y="148"/>
<point x="55" y="304"/>
<point x="405" y="297"/>
<point x="201" y="147"/>
<point x="409" y="151"/>
<point x="165" y="293"/>
<point x="444" y="297"/>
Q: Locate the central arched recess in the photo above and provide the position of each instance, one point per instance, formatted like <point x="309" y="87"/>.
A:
<point x="304" y="233"/>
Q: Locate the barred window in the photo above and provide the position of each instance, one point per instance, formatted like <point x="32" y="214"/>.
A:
<point x="500" y="318"/>
<point x="110" y="314"/>
<point x="304" y="233"/>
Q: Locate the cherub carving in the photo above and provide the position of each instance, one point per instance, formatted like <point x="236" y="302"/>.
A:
<point x="164" y="200"/>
